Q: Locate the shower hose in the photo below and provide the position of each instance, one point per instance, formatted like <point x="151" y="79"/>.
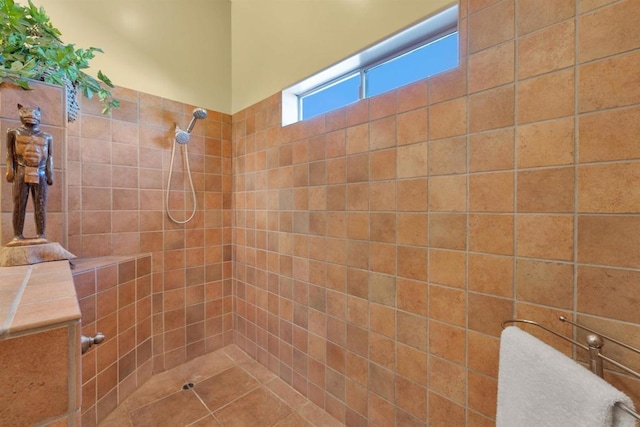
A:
<point x="185" y="152"/>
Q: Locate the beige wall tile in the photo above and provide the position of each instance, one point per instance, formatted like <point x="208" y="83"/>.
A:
<point x="412" y="96"/>
<point x="491" y="26"/>
<point x="357" y="196"/>
<point x="545" y="236"/>
<point x="491" y="67"/>
<point x="448" y="119"/>
<point x="534" y="15"/>
<point x="483" y="353"/>
<point x="451" y="83"/>
<point x="448" y="231"/>
<point x="383" y="105"/>
<point x="412" y="364"/>
<point x="491" y="109"/>
<point x="411" y="397"/>
<point x="447" y="341"/>
<point x="491" y="151"/>
<point x="547" y="50"/>
<point x="412" y="195"/>
<point x="486" y="313"/>
<point x="491" y="274"/>
<point x="587" y="5"/>
<point x="491" y="233"/>
<point x="412" y="160"/>
<point x="448" y="156"/>
<point x="604" y="188"/>
<point x="411" y="296"/>
<point x="608" y="83"/>
<point x="48" y="97"/>
<point x="543" y="282"/>
<point x="447" y="267"/>
<point x="546" y="190"/>
<point x="358" y="168"/>
<point x="412" y="262"/>
<point x="95" y="151"/>
<point x="482" y="395"/>
<point x="383" y="227"/>
<point x="357" y="113"/>
<point x="447" y="378"/>
<point x="382" y="133"/>
<point x="546" y="143"/>
<point x="448" y="305"/>
<point x="609" y="135"/>
<point x="448" y="193"/>
<point x="476" y="5"/>
<point x="382" y="196"/>
<point x="443" y="411"/>
<point x="608" y="240"/>
<point x="608" y="31"/>
<point x="382" y="164"/>
<point x="412" y="229"/>
<point x="412" y="126"/>
<point x="546" y="97"/>
<point x="357" y="139"/>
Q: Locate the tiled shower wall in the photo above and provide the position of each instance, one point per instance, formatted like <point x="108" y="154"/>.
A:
<point x="118" y="169"/>
<point x="115" y="299"/>
<point x="117" y="173"/>
<point x="108" y="199"/>
<point x="378" y="248"/>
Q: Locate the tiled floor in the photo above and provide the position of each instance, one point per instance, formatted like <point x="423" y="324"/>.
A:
<point x="229" y="389"/>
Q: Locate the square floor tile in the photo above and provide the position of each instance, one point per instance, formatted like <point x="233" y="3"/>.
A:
<point x="258" y="408"/>
<point x="179" y="409"/>
<point x="225" y="387"/>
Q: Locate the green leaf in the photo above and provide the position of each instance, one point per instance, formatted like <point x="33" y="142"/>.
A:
<point x="87" y="92"/>
<point x="16" y="66"/>
<point x="23" y="84"/>
<point x="104" y="78"/>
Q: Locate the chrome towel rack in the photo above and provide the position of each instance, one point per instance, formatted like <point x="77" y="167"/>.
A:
<point x="594" y="346"/>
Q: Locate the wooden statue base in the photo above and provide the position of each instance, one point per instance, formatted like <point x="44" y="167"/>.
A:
<point x="27" y="241"/>
<point x="32" y="251"/>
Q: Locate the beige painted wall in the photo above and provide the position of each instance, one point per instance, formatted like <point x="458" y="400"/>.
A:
<point x="179" y="50"/>
<point x="226" y="54"/>
<point x="277" y="43"/>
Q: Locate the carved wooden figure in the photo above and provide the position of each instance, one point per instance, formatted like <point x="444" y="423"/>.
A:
<point x="30" y="169"/>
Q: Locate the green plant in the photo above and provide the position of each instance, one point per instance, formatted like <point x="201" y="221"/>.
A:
<point x="31" y="48"/>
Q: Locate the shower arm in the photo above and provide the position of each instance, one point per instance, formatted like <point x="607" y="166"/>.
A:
<point x="192" y="124"/>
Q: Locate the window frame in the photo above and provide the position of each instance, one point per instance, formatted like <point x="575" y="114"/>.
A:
<point x="326" y="85"/>
<point x="437" y="26"/>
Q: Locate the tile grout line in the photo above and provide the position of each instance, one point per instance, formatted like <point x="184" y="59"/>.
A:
<point x="205" y="405"/>
<point x="16" y="302"/>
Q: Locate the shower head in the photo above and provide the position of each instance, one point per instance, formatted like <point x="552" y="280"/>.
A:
<point x="182" y="136"/>
<point x="198" y="113"/>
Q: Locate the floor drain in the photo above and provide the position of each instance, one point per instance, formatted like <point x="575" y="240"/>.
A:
<point x="187" y="386"/>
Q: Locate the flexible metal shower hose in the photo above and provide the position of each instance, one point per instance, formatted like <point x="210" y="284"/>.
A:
<point x="193" y="191"/>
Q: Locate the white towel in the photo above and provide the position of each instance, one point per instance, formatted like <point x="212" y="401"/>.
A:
<point x="540" y="387"/>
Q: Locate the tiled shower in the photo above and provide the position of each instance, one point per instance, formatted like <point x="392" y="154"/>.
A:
<point x="368" y="256"/>
<point x="378" y="248"/>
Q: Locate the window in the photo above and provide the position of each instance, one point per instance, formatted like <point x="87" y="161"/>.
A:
<point x="418" y="52"/>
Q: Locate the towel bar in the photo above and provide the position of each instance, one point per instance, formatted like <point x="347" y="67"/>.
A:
<point x="595" y="343"/>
